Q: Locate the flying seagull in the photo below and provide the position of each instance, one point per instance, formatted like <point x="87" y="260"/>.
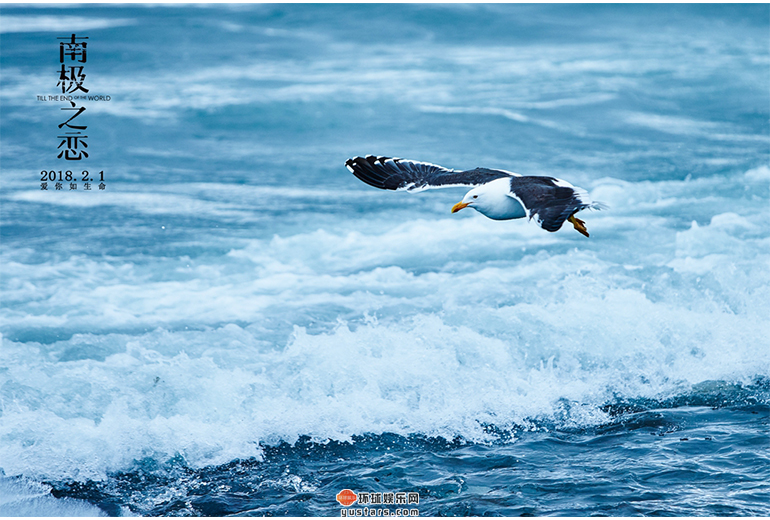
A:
<point x="496" y="194"/>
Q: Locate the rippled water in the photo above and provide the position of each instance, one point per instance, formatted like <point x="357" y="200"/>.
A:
<point x="237" y="325"/>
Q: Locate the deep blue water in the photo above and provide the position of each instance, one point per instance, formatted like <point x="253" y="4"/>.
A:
<point x="237" y="325"/>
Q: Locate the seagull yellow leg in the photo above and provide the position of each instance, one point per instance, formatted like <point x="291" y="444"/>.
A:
<point x="579" y="224"/>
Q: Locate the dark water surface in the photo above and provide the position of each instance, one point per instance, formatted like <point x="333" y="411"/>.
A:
<point x="689" y="461"/>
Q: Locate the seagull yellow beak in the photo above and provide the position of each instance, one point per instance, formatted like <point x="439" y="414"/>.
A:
<point x="460" y="205"/>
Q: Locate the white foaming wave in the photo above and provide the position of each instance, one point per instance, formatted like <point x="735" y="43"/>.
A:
<point x="679" y="125"/>
<point x="497" y="111"/>
<point x="718" y="191"/>
<point x="66" y="24"/>
<point x="222" y="202"/>
<point x="167" y="394"/>
<point x="759" y="174"/>
<point x="23" y="497"/>
<point x="567" y="101"/>
<point x="306" y="269"/>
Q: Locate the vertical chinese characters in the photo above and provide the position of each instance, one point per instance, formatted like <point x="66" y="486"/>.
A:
<point x="73" y="52"/>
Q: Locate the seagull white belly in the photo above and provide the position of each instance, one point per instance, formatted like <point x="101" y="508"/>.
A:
<point x="506" y="208"/>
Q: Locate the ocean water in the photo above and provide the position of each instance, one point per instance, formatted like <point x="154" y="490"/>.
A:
<point x="236" y="325"/>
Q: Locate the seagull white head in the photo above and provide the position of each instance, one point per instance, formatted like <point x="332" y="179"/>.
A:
<point x="473" y="198"/>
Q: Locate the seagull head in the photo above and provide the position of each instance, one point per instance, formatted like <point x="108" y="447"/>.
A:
<point x="476" y="199"/>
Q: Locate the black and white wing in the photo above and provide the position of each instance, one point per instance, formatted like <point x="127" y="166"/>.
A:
<point x="389" y="173"/>
<point x="550" y="201"/>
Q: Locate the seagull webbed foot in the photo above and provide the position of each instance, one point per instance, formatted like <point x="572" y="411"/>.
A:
<point x="580" y="226"/>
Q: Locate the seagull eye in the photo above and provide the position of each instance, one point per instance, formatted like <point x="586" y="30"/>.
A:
<point x="475" y="196"/>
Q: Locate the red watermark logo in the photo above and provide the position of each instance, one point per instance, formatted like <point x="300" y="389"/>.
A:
<point x="346" y="497"/>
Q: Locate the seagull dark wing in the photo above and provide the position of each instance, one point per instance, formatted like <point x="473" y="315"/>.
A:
<point x="550" y="201"/>
<point x="401" y="174"/>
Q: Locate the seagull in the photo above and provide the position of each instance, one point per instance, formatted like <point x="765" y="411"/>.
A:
<point x="496" y="194"/>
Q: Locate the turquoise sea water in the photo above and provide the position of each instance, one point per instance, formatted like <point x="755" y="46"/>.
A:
<point x="237" y="325"/>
